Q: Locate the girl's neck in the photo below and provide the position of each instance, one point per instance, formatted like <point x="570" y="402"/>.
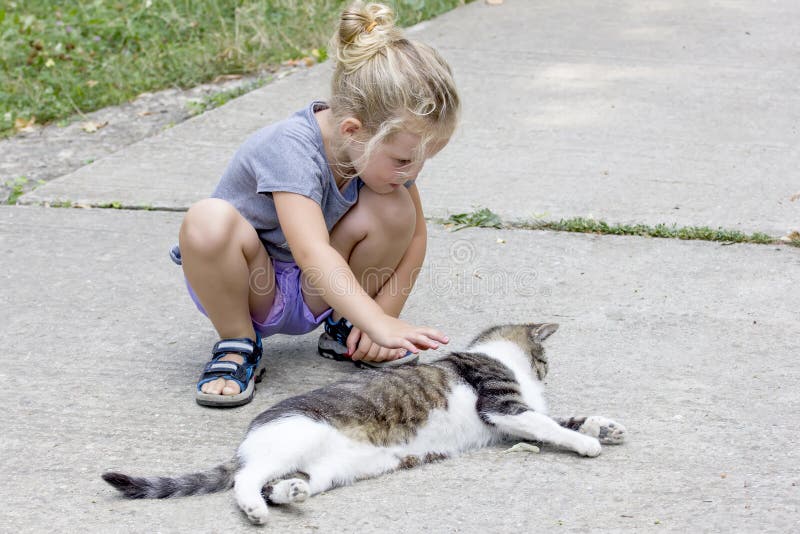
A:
<point x="329" y="141"/>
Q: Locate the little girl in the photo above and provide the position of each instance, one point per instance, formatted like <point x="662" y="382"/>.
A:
<point x="317" y="217"/>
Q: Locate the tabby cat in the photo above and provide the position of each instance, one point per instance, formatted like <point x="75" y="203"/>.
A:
<point x="380" y="420"/>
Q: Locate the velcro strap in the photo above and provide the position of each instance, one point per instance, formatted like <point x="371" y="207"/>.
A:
<point x="226" y="370"/>
<point x="242" y="346"/>
<point x="228" y="367"/>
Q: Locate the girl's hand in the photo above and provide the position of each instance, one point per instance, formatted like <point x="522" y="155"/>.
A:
<point x="361" y="347"/>
<point x="393" y="333"/>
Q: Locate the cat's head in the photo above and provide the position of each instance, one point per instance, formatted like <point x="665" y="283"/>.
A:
<point x="528" y="337"/>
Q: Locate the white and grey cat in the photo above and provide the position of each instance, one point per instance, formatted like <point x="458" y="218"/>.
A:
<point x="378" y="421"/>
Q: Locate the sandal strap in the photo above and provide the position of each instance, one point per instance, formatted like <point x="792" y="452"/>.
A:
<point x="338" y="330"/>
<point x="227" y="370"/>
<point x="240" y="373"/>
<point x="251" y="350"/>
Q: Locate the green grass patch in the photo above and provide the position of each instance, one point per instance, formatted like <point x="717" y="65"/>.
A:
<point x="17" y="187"/>
<point x="702" y="233"/>
<point x="58" y="58"/>
<point x="480" y="218"/>
<point x="485" y="218"/>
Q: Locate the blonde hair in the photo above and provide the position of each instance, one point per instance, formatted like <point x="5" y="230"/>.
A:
<point x="388" y="82"/>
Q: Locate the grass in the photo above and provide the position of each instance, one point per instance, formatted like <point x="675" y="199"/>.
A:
<point x="480" y="218"/>
<point x="485" y="218"/>
<point x="17" y="187"/>
<point x="59" y="58"/>
<point x="218" y="99"/>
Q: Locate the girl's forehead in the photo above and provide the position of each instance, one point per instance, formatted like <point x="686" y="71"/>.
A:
<point x="408" y="143"/>
<point x="403" y="141"/>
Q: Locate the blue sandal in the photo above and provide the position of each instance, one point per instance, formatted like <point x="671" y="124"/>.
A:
<point x="245" y="374"/>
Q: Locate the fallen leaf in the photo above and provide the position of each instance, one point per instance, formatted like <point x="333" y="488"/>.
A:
<point x="226" y="78"/>
<point x="49" y="63"/>
<point x="494" y="2"/>
<point x="791" y="236"/>
<point x="92" y="126"/>
<point x="91" y="83"/>
<point x="794" y="197"/>
<point x="24" y="125"/>
<point x="501" y="241"/>
<point x="309" y="61"/>
<point x="522" y="447"/>
<point x="144" y="113"/>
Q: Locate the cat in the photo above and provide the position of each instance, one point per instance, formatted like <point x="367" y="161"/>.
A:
<point x="381" y="420"/>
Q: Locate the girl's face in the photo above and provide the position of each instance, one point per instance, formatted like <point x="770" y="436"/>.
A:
<point x="391" y="164"/>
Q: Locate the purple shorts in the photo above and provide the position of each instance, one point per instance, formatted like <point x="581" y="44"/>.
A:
<point x="289" y="313"/>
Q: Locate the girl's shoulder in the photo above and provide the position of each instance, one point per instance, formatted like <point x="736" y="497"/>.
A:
<point x="297" y="132"/>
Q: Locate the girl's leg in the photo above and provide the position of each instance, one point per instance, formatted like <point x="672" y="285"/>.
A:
<point x="229" y="270"/>
<point x="372" y="237"/>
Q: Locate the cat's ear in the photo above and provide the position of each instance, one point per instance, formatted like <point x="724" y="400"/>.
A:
<point x="542" y="331"/>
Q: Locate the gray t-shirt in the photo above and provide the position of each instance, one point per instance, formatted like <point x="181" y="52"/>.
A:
<point x="286" y="156"/>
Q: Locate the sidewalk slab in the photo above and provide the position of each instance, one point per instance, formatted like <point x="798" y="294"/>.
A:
<point x="691" y="345"/>
<point x="678" y="113"/>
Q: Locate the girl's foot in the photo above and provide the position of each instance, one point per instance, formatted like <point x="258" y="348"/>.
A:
<point x="229" y="378"/>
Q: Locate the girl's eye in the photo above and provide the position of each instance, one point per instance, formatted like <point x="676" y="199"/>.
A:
<point x="403" y="162"/>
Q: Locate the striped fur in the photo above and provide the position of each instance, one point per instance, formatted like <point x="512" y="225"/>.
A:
<point x="219" y="478"/>
<point x="378" y="421"/>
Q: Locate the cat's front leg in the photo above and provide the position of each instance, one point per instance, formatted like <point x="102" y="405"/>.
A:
<point x="532" y="425"/>
<point x="608" y="431"/>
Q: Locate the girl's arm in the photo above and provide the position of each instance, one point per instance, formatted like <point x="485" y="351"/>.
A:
<point x="303" y="225"/>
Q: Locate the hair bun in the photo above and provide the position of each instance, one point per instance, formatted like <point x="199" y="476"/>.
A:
<point x="364" y="30"/>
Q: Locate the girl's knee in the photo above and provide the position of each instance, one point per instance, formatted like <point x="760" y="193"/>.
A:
<point x="394" y="213"/>
<point x="209" y="226"/>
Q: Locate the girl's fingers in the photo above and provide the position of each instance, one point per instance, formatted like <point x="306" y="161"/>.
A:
<point x="352" y="341"/>
<point x="436" y="335"/>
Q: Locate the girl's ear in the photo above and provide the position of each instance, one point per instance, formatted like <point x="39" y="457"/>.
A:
<point x="350" y="127"/>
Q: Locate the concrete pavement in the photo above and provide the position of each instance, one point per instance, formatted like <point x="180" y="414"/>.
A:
<point x="691" y="345"/>
<point x="669" y="112"/>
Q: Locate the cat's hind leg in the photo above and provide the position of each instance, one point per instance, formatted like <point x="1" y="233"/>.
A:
<point x="271" y="451"/>
<point x="291" y="490"/>
<point x="608" y="431"/>
<point x="247" y="488"/>
<point x="539" y="427"/>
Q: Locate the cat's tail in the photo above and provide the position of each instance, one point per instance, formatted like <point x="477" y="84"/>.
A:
<point x="219" y="478"/>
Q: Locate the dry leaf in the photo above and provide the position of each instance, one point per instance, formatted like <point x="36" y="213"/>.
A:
<point x="24" y="125"/>
<point x="226" y="78"/>
<point x="791" y="236"/>
<point x="144" y="113"/>
<point x="523" y="447"/>
<point x="501" y="241"/>
<point x="494" y="2"/>
<point x="794" y="197"/>
<point x="309" y="61"/>
<point x="92" y="126"/>
<point x="91" y="83"/>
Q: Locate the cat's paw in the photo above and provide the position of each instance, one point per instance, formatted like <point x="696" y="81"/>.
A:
<point x="609" y="432"/>
<point x="289" y="490"/>
<point x="590" y="447"/>
<point x="256" y="512"/>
